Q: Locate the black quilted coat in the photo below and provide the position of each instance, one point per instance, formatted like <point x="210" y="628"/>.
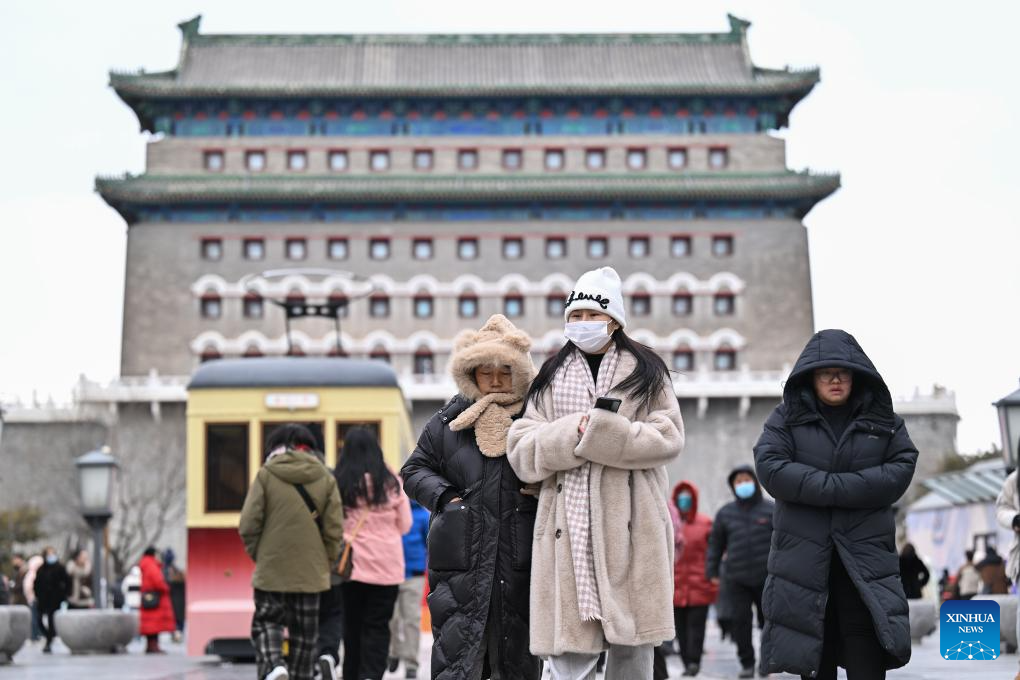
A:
<point x="479" y="551"/>
<point x="833" y="497"/>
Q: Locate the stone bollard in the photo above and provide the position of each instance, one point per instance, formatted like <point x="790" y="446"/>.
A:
<point x="104" y="631"/>
<point x="1007" y="618"/>
<point x="924" y="618"/>
<point x="15" y="627"/>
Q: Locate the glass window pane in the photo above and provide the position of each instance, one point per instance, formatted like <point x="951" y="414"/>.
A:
<point x="677" y="158"/>
<point x="423" y="160"/>
<point x="467" y="249"/>
<point x="513" y="248"/>
<point x="255" y="161"/>
<point x="379" y="307"/>
<point x="555" y="248"/>
<point x="636" y="159"/>
<point x="338" y="249"/>
<point x="468" y="307"/>
<point x="296" y="249"/>
<point x="214" y="160"/>
<point x="253" y="308"/>
<point x="212" y="249"/>
<point x="422" y="249"/>
<point x="467" y="159"/>
<point x="641" y="305"/>
<point x="337" y="161"/>
<point x="718" y="158"/>
<point x="554" y="159"/>
<point x="639" y="247"/>
<point x="680" y="246"/>
<point x="725" y="360"/>
<point x="512" y="159"/>
<point x="682" y="305"/>
<point x="379" y="160"/>
<point x="297" y="160"/>
<point x="598" y="247"/>
<point x="211" y="308"/>
<point x="424" y="364"/>
<point x="554" y="306"/>
<point x="379" y="249"/>
<point x="722" y="245"/>
<point x="423" y="308"/>
<point x="226" y="467"/>
<point x="513" y="307"/>
<point x="595" y="159"/>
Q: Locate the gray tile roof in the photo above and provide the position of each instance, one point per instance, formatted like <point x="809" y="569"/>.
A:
<point x="407" y="65"/>
<point x="363" y="188"/>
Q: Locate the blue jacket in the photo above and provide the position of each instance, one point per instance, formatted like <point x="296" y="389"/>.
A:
<point x="415" y="541"/>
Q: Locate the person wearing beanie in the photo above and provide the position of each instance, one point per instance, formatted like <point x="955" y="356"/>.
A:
<point x="836" y="457"/>
<point x="479" y="544"/>
<point x="738" y="555"/>
<point x="600" y="424"/>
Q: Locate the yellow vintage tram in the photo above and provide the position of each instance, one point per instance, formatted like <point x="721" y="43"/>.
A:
<point x="233" y="406"/>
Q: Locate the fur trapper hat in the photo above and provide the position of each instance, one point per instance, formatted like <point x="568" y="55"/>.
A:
<point x="497" y="343"/>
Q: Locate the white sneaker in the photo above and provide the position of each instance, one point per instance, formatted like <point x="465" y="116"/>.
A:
<point x="278" y="673"/>
<point x="327" y="667"/>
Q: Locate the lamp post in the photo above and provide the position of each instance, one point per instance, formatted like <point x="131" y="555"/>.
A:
<point x="95" y="491"/>
<point x="1009" y="426"/>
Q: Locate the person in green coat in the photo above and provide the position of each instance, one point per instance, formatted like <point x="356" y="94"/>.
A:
<point x="292" y="527"/>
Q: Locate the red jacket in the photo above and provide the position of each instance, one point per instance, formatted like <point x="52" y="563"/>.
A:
<point x="160" y="619"/>
<point x="691" y="530"/>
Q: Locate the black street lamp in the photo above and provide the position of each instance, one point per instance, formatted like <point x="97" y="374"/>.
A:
<point x="1009" y="426"/>
<point x="95" y="491"/>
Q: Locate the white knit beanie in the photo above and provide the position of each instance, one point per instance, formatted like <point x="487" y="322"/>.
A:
<point x="600" y="290"/>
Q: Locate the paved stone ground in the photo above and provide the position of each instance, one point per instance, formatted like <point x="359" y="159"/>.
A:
<point x="720" y="662"/>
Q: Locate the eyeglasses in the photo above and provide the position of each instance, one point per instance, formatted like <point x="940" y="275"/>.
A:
<point x="831" y="375"/>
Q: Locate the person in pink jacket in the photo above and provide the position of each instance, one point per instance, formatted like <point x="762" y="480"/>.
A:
<point x="377" y="514"/>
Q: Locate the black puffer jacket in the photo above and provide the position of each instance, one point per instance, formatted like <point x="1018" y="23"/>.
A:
<point x="479" y="551"/>
<point x="833" y="496"/>
<point x="742" y="530"/>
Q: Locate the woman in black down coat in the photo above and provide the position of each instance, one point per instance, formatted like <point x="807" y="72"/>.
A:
<point x="479" y="542"/>
<point x="836" y="458"/>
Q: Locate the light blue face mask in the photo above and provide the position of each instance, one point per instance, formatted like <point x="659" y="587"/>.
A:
<point x="684" y="502"/>
<point x="744" y="490"/>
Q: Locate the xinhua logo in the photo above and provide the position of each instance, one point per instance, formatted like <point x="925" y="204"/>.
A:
<point x="969" y="630"/>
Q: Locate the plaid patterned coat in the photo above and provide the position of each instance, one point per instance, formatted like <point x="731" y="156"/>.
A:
<point x="631" y="531"/>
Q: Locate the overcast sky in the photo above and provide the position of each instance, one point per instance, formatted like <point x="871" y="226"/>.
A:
<point x="918" y="255"/>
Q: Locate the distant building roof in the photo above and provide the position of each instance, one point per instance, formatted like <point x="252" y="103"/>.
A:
<point x="293" y="372"/>
<point x="366" y="188"/>
<point x="462" y="64"/>
<point x="980" y="483"/>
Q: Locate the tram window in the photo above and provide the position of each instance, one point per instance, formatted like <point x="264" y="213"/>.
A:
<point x="226" y="467"/>
<point x="343" y="428"/>
<point x="269" y="428"/>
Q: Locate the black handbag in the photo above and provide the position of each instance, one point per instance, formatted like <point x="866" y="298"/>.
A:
<point x="151" y="599"/>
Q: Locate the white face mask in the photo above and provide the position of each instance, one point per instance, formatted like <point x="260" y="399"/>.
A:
<point x="589" y="336"/>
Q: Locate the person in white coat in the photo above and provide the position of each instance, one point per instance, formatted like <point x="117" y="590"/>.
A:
<point x="1007" y="510"/>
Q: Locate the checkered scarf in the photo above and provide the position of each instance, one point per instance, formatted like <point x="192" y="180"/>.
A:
<point x="574" y="390"/>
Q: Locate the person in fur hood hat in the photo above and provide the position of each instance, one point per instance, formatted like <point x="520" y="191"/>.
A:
<point x="479" y="544"/>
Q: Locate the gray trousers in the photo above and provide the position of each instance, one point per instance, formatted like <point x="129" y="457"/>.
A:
<point x="405" y="626"/>
<point x="622" y="663"/>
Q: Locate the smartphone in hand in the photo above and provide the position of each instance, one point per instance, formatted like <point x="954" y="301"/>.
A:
<point x="608" y="403"/>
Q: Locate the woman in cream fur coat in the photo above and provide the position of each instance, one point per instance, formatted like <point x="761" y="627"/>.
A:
<point x="602" y="560"/>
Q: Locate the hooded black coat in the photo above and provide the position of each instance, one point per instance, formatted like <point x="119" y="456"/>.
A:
<point x="742" y="531"/>
<point x="479" y="550"/>
<point x="833" y="497"/>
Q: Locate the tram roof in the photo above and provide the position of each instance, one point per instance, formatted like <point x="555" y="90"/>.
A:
<point x="293" y="372"/>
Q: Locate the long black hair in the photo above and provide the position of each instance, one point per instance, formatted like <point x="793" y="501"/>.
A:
<point x="645" y="383"/>
<point x="361" y="473"/>
<point x="292" y="436"/>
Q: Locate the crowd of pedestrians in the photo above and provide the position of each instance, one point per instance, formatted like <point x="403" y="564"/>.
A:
<point x="535" y="517"/>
